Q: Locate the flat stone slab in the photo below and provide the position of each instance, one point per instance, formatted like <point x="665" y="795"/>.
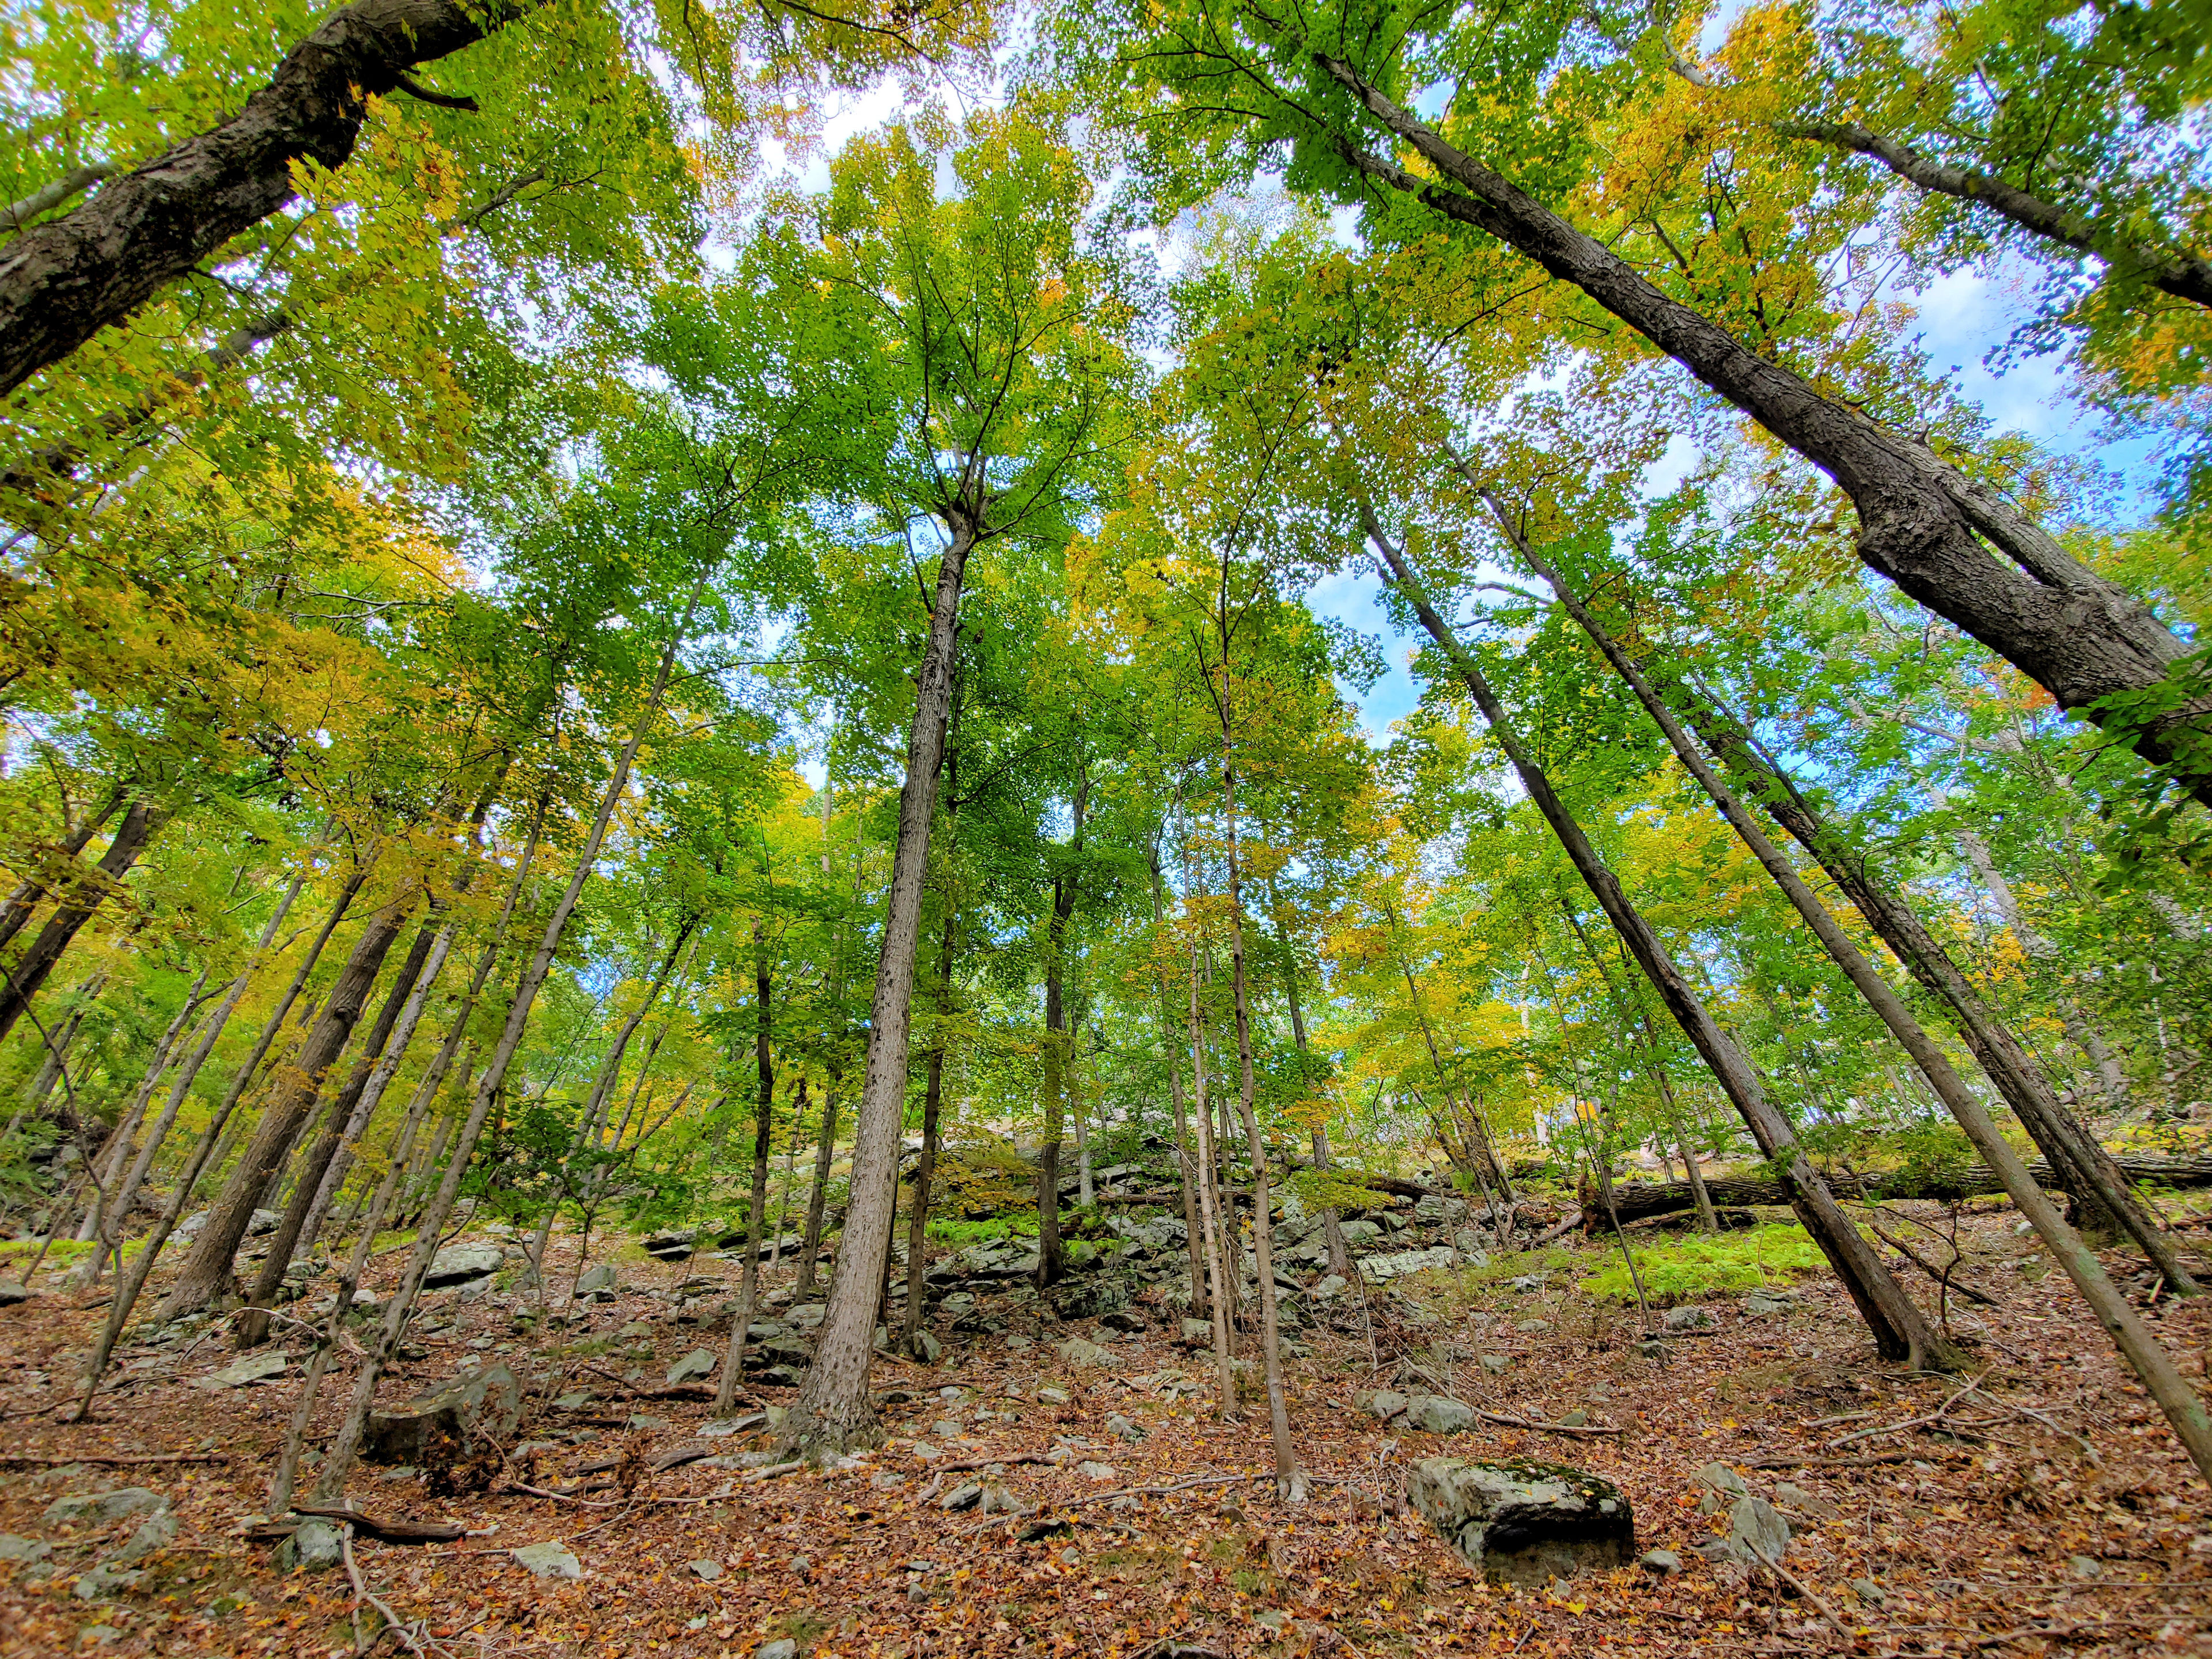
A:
<point x="698" y="1364"/>
<point x="99" y="1508"/>
<point x="1519" y="1522"/>
<point x="551" y="1560"/>
<point x="246" y="1368"/>
<point x="458" y="1264"/>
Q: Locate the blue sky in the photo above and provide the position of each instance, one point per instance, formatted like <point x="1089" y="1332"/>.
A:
<point x="1963" y="318"/>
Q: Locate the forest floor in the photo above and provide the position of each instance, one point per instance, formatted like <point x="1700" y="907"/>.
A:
<point x="2046" y="1510"/>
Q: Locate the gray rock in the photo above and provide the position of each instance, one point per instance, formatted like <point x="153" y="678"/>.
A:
<point x="783" y="1648"/>
<point x="1095" y="1471"/>
<point x="456" y="1264"/>
<point x="930" y="1349"/>
<point x="1723" y="1486"/>
<point x="2084" y="1566"/>
<point x="1121" y="1426"/>
<point x="1439" y="1413"/>
<point x="709" y="1571"/>
<point x="1868" y="1592"/>
<point x="1805" y="1503"/>
<point x="1078" y="1351"/>
<point x="1757" y="1531"/>
<point x="1384" y="1403"/>
<point x="1053" y="1396"/>
<point x="1197" y="1330"/>
<point x="13" y="1548"/>
<point x="1398" y="1264"/>
<point x="597" y="1281"/>
<point x="98" y="1507"/>
<point x="156" y="1532"/>
<point x="1531" y="1327"/>
<point x="1763" y="1303"/>
<point x="489" y="1403"/>
<point x="965" y="1496"/>
<point x="314" y="1546"/>
<point x="1663" y="1563"/>
<point x="1362" y="1231"/>
<point x="1522" y="1522"/>
<point x="1690" y="1318"/>
<point x="104" y="1580"/>
<point x="551" y="1560"/>
<point x="12" y="1291"/>
<point x="257" y="1367"/>
<point x="1331" y="1286"/>
<point x="1495" y="1363"/>
<point x="698" y="1364"/>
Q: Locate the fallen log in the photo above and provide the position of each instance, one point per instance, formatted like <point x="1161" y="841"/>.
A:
<point x="389" y="1532"/>
<point x="1634" y="1200"/>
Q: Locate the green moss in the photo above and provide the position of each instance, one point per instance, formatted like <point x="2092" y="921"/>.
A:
<point x="1695" y="1265"/>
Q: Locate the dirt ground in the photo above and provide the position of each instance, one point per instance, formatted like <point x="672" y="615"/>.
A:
<point x="2047" y="1509"/>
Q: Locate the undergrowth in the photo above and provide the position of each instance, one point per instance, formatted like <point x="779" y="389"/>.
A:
<point x="1696" y="1264"/>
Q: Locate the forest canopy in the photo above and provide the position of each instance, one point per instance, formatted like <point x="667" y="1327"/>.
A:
<point x="866" y="633"/>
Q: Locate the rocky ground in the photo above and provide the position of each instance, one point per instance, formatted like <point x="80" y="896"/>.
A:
<point x="1059" y="1481"/>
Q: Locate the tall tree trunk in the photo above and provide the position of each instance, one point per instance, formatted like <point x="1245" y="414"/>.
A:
<point x="2192" y="1421"/>
<point x="589" y="1122"/>
<point x="833" y="1413"/>
<point x="1922" y="524"/>
<point x="348" y="1116"/>
<point x="62" y="282"/>
<point x="337" y="1461"/>
<point x="191" y="1069"/>
<point x="1637" y="1023"/>
<point x="22" y="981"/>
<point x="817" y="1197"/>
<point x="933" y="1096"/>
<point x="1194" y="1238"/>
<point x="1900" y="1330"/>
<point x="207" y="1270"/>
<point x="1339" y="1259"/>
<point x="107" y="1219"/>
<point x="389" y="1189"/>
<point x="2084" y="1167"/>
<point x="1290" y="1478"/>
<point x="56" y="1049"/>
<point x="733" y="1362"/>
<point x="23" y="903"/>
<point x="1220" y="1260"/>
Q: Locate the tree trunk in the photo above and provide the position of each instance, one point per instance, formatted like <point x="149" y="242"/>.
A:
<point x="917" y="1224"/>
<point x="338" y="1461"/>
<point x="23" y="903"/>
<point x="2192" y="1421"/>
<point x="1922" y="524"/>
<point x="62" y="282"/>
<point x="1220" y="1261"/>
<point x="1900" y="1328"/>
<point x="207" y="1270"/>
<point x="2087" y="1172"/>
<point x="1290" y="1478"/>
<point x="22" y="981"/>
<point x="817" y="1198"/>
<point x="1194" y="1238"/>
<point x="1642" y="1199"/>
<point x="106" y="1215"/>
<point x="733" y="1362"/>
<point x="833" y="1413"/>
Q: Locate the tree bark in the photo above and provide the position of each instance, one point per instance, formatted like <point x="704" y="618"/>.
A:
<point x="817" y="1198"/>
<point x="1290" y="1478"/>
<point x="338" y="1459"/>
<point x="1901" y="1331"/>
<point x="339" y="1129"/>
<point x="1217" y="1259"/>
<point x="23" y="903"/>
<point x="2190" y="1421"/>
<point x="2184" y="274"/>
<point x="207" y="1270"/>
<point x="1642" y="1199"/>
<point x="22" y="981"/>
<point x="2087" y="1170"/>
<point x="1194" y="1239"/>
<point x="1922" y="524"/>
<point x="833" y="1413"/>
<point x="932" y="1096"/>
<point x="63" y="282"/>
<point x="733" y="1361"/>
<point x="1051" y="1262"/>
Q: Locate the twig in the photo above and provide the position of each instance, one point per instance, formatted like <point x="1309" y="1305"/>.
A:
<point x="1913" y="1422"/>
<point x="1162" y="1492"/>
<point x="1832" y="1463"/>
<point x="392" y="1621"/>
<point x="118" y="1458"/>
<point x="1547" y="1428"/>
<point x="1802" y="1588"/>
